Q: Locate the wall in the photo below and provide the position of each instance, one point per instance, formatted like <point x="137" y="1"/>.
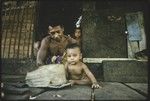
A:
<point x="103" y="32"/>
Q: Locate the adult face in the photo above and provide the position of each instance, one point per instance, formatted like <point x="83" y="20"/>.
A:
<point x="56" y="32"/>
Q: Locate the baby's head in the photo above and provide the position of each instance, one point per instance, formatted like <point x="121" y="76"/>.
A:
<point x="73" y="53"/>
<point x="77" y="32"/>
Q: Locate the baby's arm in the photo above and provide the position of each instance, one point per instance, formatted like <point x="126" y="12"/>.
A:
<point x="66" y="70"/>
<point x="91" y="77"/>
<point x="80" y="82"/>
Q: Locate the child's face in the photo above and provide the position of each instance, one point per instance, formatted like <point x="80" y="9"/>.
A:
<point x="77" y="33"/>
<point x="73" y="56"/>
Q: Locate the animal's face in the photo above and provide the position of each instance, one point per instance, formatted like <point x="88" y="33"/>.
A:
<point x="56" y="32"/>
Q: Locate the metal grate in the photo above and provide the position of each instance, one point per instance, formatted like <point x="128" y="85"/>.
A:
<point x="18" y="22"/>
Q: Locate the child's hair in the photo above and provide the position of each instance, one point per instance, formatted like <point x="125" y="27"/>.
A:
<point x="78" y="28"/>
<point x="73" y="45"/>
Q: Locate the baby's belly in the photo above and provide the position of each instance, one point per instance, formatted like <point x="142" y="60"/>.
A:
<point x="76" y="77"/>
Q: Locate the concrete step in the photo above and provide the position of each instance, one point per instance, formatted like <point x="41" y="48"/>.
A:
<point x="127" y="71"/>
<point x="141" y="88"/>
<point x="12" y="78"/>
<point x="117" y="91"/>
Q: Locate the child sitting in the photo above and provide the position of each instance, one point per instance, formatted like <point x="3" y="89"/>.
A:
<point x="77" y="35"/>
<point x="77" y="71"/>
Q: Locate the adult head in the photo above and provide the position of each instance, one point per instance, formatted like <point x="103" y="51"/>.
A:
<point x="56" y="31"/>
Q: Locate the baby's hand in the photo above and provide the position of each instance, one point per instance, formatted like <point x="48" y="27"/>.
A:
<point x="72" y="82"/>
<point x="53" y="59"/>
<point x="96" y="85"/>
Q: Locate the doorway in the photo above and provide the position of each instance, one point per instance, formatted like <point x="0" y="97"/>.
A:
<point x="63" y="12"/>
<point x="136" y="39"/>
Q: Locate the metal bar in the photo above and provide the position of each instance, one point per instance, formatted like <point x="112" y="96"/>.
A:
<point x="29" y="36"/>
<point x="4" y="45"/>
<point x="25" y="38"/>
<point x="12" y="32"/>
<point x="3" y="23"/>
<point x="3" y="26"/>
<point x="92" y="95"/>
<point x="31" y="32"/>
<point x="35" y="26"/>
<point x="28" y="43"/>
<point x="20" y="33"/>
<point x="17" y="28"/>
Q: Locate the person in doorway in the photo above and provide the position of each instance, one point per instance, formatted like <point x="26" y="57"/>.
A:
<point x="76" y="71"/>
<point x="77" y="35"/>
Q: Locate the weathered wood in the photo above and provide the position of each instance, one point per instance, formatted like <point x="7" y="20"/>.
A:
<point x="47" y="76"/>
<point x="30" y="45"/>
<point x="11" y="33"/>
<point x="16" y="28"/>
<point x="20" y="31"/>
<point x="6" y="34"/>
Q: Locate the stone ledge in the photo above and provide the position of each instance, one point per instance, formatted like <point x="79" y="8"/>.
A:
<point x="128" y="71"/>
<point x="139" y="87"/>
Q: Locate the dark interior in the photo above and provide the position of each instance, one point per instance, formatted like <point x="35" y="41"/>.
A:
<point x="63" y="12"/>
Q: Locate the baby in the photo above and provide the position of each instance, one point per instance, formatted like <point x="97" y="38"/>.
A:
<point x="77" y="71"/>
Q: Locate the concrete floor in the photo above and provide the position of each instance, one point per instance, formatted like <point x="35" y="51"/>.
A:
<point x="110" y="91"/>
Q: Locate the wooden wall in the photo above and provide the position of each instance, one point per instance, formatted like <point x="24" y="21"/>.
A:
<point x="18" y="20"/>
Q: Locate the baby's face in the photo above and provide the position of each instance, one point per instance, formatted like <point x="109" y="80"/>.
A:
<point x="73" y="56"/>
<point x="77" y="33"/>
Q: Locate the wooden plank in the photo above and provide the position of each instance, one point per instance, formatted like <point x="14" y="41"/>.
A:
<point x="20" y="32"/>
<point x="12" y="32"/>
<point x="25" y="32"/>
<point x="16" y="38"/>
<point x="30" y="44"/>
<point x="4" y="52"/>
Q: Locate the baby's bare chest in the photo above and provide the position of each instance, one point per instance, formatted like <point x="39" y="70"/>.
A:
<point x="75" y="70"/>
